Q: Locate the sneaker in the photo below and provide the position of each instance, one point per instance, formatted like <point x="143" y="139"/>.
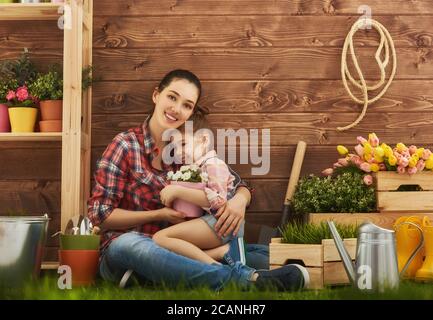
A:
<point x="290" y="277"/>
<point x="236" y="252"/>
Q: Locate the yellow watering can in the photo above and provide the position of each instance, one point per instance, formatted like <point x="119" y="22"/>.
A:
<point x="425" y="273"/>
<point x="408" y="238"/>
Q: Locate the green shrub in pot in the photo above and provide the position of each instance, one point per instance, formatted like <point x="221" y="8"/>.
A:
<point x="342" y="193"/>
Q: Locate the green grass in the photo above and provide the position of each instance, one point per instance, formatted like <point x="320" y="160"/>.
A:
<point x="46" y="289"/>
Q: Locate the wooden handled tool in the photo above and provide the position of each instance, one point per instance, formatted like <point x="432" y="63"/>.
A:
<point x="293" y="181"/>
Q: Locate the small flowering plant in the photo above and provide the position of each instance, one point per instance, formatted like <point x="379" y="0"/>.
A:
<point x="20" y="97"/>
<point x="190" y="173"/>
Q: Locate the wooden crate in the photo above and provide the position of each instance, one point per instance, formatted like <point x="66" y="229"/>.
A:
<point x="390" y="200"/>
<point x="321" y="260"/>
<point x="382" y="219"/>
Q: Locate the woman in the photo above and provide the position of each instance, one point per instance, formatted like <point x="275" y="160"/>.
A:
<point x="125" y="204"/>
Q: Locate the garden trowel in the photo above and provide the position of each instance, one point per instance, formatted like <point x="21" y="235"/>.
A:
<point x="266" y="232"/>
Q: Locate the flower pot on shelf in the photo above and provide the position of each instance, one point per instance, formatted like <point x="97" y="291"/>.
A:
<point x="321" y="260"/>
<point x="189" y="209"/>
<point x="22" y="119"/>
<point x="51" y="109"/>
<point x="50" y="126"/>
<point x="4" y="119"/>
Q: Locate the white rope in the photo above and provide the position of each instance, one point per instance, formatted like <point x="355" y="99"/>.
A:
<point x="385" y="43"/>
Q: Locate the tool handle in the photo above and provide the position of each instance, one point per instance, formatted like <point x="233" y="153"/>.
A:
<point x="296" y="171"/>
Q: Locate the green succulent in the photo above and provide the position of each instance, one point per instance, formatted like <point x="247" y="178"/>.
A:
<point x="344" y="193"/>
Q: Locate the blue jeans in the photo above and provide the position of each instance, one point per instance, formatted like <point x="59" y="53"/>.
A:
<point x="257" y="256"/>
<point x="154" y="264"/>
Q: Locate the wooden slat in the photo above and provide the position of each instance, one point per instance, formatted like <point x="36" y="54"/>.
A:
<point x="288" y="129"/>
<point x="310" y="254"/>
<point x="391" y="181"/>
<point x="43" y="164"/>
<point x="384" y="220"/>
<point x="266" y="97"/>
<point x="253" y="31"/>
<point x="334" y="274"/>
<point x="42" y="34"/>
<point x="330" y="252"/>
<point x="251" y="63"/>
<point x="36" y="136"/>
<point x="276" y="7"/>
<point x="405" y="201"/>
<point x="29" y="11"/>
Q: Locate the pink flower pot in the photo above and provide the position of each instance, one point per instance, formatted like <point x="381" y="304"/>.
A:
<point x="189" y="209"/>
<point x="4" y="119"/>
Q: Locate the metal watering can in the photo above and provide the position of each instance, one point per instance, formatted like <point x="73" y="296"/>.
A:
<point x="376" y="267"/>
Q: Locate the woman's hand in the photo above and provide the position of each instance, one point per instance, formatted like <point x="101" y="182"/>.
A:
<point x="172" y="216"/>
<point x="169" y="194"/>
<point x="230" y="216"/>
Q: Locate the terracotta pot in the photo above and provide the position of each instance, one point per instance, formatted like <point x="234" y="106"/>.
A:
<point x="22" y="119"/>
<point x="83" y="263"/>
<point x="4" y="119"/>
<point x="50" y="126"/>
<point x="51" y="109"/>
<point x="189" y="209"/>
<point x="79" y="242"/>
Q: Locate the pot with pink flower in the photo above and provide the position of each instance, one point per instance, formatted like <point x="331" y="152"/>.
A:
<point x="22" y="110"/>
<point x="189" y="177"/>
<point x="4" y="114"/>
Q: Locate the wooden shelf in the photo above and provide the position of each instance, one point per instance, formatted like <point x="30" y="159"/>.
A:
<point x="30" y="11"/>
<point x="49" y="265"/>
<point x="31" y="136"/>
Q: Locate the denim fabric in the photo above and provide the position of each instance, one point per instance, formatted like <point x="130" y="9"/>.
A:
<point x="150" y="262"/>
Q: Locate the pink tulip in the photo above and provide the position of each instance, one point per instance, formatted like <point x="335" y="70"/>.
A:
<point x="426" y="154"/>
<point x="373" y="139"/>
<point x="412" y="170"/>
<point x="401" y="169"/>
<point x="361" y="140"/>
<point x="11" y="95"/>
<point x="412" y="149"/>
<point x="359" y="150"/>
<point x="365" y="167"/>
<point x="337" y="165"/>
<point x="22" y="93"/>
<point x="328" y="172"/>
<point x="343" y="162"/>
<point x="420" y="165"/>
<point x="403" y="162"/>
<point x="368" y="179"/>
<point x="355" y="159"/>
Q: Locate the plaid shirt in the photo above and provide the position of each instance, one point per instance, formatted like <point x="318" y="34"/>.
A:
<point x="125" y="179"/>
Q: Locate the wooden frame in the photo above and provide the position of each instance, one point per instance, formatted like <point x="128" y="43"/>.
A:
<point x="76" y="135"/>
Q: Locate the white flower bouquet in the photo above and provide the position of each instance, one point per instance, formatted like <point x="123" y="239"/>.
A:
<point x="189" y="177"/>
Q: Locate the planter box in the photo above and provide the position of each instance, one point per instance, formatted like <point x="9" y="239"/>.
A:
<point x="384" y="220"/>
<point x="390" y="200"/>
<point x="391" y="204"/>
<point x="321" y="260"/>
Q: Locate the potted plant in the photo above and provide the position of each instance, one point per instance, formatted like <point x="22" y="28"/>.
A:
<point x="48" y="88"/>
<point x="22" y="110"/>
<point x="5" y="86"/>
<point x="312" y="246"/>
<point x="189" y="177"/>
<point x="16" y="76"/>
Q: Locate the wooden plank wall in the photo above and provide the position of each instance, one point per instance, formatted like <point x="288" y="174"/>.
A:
<point x="264" y="64"/>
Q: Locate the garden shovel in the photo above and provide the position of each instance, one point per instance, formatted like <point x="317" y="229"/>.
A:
<point x="267" y="233"/>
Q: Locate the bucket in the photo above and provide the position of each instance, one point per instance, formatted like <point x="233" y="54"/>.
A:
<point x="22" y="244"/>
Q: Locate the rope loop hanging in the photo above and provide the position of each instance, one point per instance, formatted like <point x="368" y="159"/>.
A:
<point x="386" y="43"/>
